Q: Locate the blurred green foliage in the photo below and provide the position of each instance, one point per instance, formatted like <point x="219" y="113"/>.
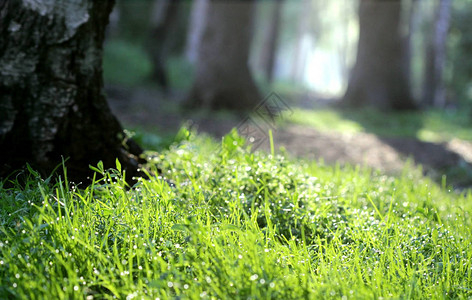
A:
<point x="181" y="73"/>
<point x="129" y="65"/>
<point x="134" y="20"/>
<point x="125" y="63"/>
<point x="127" y="50"/>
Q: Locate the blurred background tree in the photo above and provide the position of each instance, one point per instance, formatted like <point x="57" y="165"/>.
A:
<point x="271" y="38"/>
<point x="300" y="47"/>
<point x="459" y="55"/>
<point x="162" y="35"/>
<point x="223" y="78"/>
<point x="381" y="75"/>
<point x="378" y="56"/>
<point x="434" y="90"/>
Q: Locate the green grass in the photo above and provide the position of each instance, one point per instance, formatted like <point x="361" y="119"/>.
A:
<point x="431" y="126"/>
<point x="236" y="225"/>
<point x="324" y="120"/>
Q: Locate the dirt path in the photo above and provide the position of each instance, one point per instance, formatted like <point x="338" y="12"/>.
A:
<point x="146" y="108"/>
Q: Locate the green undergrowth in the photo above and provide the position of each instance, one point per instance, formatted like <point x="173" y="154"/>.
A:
<point x="222" y="222"/>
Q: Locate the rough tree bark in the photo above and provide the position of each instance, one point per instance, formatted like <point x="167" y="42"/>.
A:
<point x="163" y="21"/>
<point x="380" y="77"/>
<point x="271" y="37"/>
<point x="223" y="79"/>
<point x="434" y="90"/>
<point x="52" y="103"/>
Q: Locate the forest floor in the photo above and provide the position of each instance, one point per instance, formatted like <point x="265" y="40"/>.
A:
<point x="147" y="109"/>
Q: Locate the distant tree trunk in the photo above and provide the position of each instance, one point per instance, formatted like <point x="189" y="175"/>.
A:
<point x="195" y="28"/>
<point x="163" y="21"/>
<point x="434" y="90"/>
<point x="271" y="37"/>
<point x="134" y="19"/>
<point x="223" y="79"/>
<point x="344" y="48"/>
<point x="380" y="77"/>
<point x="299" y="56"/>
<point x="113" y="27"/>
<point x="52" y="103"/>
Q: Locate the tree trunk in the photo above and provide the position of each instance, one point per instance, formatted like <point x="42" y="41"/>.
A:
<point x="434" y="90"/>
<point x="223" y="79"/>
<point x="52" y="103"/>
<point x="163" y="22"/>
<point x="380" y="77"/>
<point x="271" y="37"/>
<point x="195" y="29"/>
<point x="299" y="58"/>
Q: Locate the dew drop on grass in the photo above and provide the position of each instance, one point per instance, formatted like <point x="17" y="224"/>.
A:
<point x="254" y="277"/>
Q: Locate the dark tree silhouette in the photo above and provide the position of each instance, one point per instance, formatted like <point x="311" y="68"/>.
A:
<point x="434" y="89"/>
<point x="164" y="19"/>
<point x="52" y="103"/>
<point x="223" y="79"/>
<point x="271" y="37"/>
<point x="380" y="77"/>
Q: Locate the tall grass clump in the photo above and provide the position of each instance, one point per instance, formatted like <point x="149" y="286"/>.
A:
<point x="222" y="222"/>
